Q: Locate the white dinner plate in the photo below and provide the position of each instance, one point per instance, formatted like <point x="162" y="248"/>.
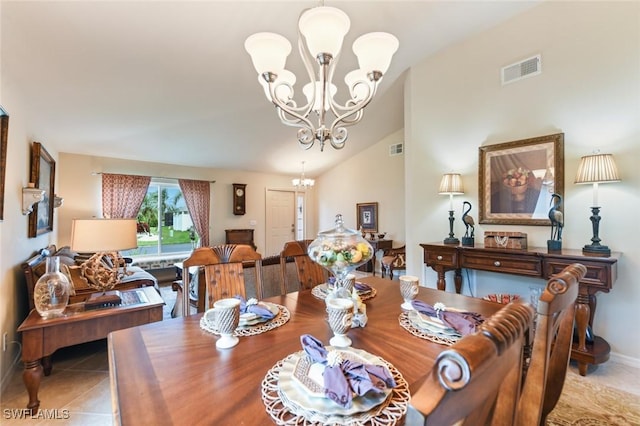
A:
<point x="300" y="381"/>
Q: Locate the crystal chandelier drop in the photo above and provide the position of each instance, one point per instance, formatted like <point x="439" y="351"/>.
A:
<point x="321" y="31"/>
<point x="302" y="182"/>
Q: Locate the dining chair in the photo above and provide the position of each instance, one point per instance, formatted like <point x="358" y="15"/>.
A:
<point x="221" y="268"/>
<point x="310" y="274"/>
<point x="551" y="351"/>
<point x="477" y="380"/>
<point x="393" y="259"/>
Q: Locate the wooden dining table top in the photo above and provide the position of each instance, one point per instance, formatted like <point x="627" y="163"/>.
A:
<point x="170" y="372"/>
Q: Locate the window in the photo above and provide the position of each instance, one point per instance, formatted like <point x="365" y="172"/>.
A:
<point x="164" y="223"/>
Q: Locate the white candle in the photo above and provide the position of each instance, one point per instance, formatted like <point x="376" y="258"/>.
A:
<point x="450" y="201"/>
<point x="595" y="194"/>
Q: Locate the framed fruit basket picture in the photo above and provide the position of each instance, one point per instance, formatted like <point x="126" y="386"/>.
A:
<point x="517" y="179"/>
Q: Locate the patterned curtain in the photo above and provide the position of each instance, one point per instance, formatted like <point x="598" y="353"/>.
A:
<point x="197" y="196"/>
<point x="122" y="195"/>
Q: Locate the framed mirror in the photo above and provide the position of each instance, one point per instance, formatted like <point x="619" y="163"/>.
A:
<point x="43" y="173"/>
<point x="4" y="132"/>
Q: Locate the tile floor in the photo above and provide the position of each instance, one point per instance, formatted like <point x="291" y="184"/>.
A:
<point x="79" y="383"/>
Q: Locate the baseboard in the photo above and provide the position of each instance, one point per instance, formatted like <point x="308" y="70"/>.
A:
<point x="625" y="360"/>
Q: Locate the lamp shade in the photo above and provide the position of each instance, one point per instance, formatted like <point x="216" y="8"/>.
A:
<point x="268" y="51"/>
<point x="308" y="91"/>
<point x="374" y="51"/>
<point x="98" y="235"/>
<point x="324" y="29"/>
<point x="451" y="184"/>
<point x="597" y="168"/>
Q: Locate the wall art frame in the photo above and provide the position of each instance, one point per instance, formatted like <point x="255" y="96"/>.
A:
<point x="367" y="217"/>
<point x="43" y="173"/>
<point x="4" y="134"/>
<point x="516" y="180"/>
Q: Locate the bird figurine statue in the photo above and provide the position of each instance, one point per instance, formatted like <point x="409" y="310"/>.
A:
<point x="469" y="223"/>
<point x="557" y="223"/>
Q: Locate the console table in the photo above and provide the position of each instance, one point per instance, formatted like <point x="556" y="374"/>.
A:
<point x="370" y="266"/>
<point x="42" y="337"/>
<point x="536" y="262"/>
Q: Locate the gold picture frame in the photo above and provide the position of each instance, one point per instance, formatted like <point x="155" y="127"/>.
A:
<point x="367" y="217"/>
<point x="43" y="173"/>
<point x="517" y="179"/>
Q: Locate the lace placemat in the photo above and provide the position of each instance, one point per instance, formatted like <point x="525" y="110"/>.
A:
<point x="251" y="330"/>
<point x="286" y="412"/>
<point x="320" y="292"/>
<point x="442" y="339"/>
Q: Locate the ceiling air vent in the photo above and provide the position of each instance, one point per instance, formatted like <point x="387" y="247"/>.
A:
<point x="396" y="149"/>
<point x="523" y="69"/>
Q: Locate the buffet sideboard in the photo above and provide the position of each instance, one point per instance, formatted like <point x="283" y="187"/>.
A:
<point x="536" y="262"/>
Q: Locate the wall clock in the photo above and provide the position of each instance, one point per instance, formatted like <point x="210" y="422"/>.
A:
<point x="239" y="198"/>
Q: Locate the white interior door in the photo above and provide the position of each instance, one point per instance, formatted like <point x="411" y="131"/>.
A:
<point x="280" y="220"/>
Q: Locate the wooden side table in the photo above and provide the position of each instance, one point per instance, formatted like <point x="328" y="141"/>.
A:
<point x="42" y="337"/>
<point x="536" y="262"/>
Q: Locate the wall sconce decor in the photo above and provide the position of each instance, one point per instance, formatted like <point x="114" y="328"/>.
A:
<point x="30" y="197"/>
<point x="57" y="201"/>
<point x="451" y="185"/>
<point x="595" y="169"/>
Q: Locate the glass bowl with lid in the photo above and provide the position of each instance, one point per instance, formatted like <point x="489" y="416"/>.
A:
<point x="340" y="250"/>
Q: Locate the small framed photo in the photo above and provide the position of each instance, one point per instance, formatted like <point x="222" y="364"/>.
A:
<point x="367" y="214"/>
<point x="517" y="179"/>
<point x="43" y="173"/>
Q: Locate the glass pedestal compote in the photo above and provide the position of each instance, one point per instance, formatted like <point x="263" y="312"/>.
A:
<point x="340" y="251"/>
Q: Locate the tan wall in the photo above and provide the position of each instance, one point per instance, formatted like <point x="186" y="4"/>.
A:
<point x="370" y="176"/>
<point x="589" y="89"/>
<point x="15" y="247"/>
<point x="81" y="190"/>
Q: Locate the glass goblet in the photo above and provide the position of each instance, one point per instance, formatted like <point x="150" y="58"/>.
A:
<point x="339" y="315"/>
<point x="408" y="290"/>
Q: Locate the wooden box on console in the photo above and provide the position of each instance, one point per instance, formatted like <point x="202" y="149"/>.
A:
<point x="505" y="240"/>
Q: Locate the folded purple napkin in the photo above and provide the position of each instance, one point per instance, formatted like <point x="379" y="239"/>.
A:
<point x="252" y="306"/>
<point x="463" y="322"/>
<point x="362" y="286"/>
<point x="343" y="378"/>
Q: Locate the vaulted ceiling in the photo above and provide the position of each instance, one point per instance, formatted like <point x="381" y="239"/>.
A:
<point x="170" y="81"/>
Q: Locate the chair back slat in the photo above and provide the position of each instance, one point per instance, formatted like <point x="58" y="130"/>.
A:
<point x="310" y="274"/>
<point x="552" y="342"/>
<point x="221" y="267"/>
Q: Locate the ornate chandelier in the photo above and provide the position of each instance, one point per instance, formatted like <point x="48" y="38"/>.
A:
<point x="303" y="183"/>
<point x="321" y="31"/>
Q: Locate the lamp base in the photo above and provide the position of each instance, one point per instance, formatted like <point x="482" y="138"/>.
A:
<point x="451" y="240"/>
<point x="596" y="249"/>
<point x="103" y="300"/>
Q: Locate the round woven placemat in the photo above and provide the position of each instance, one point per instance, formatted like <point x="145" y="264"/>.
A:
<point x="285" y="412"/>
<point x="281" y="318"/>
<point x="405" y="322"/>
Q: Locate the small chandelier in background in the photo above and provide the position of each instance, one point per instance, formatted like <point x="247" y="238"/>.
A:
<point x="303" y="183"/>
<point x="321" y="31"/>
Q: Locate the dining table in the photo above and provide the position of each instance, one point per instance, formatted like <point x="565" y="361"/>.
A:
<point x="171" y="372"/>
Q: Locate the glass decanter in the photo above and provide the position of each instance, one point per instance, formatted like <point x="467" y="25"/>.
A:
<point x="340" y="250"/>
<point x="51" y="292"/>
